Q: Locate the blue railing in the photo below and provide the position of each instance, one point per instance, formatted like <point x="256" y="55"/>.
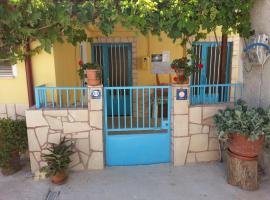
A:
<point x="215" y="93"/>
<point x="137" y="108"/>
<point x="61" y="97"/>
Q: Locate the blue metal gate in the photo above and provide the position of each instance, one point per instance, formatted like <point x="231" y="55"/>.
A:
<point x="137" y="132"/>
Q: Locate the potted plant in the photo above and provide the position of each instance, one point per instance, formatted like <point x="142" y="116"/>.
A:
<point x="243" y="128"/>
<point x="92" y="71"/>
<point x="183" y="69"/>
<point x="13" y="142"/>
<point x="57" y="161"/>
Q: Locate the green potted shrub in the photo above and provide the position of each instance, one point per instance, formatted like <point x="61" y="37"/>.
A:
<point x="92" y="71"/>
<point x="243" y="128"/>
<point x="13" y="142"/>
<point x="58" y="161"/>
<point x="183" y="69"/>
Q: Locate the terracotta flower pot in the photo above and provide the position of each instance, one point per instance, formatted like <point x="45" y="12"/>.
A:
<point x="241" y="146"/>
<point x="59" y="178"/>
<point x="93" y="78"/>
<point x="13" y="165"/>
<point x="180" y="77"/>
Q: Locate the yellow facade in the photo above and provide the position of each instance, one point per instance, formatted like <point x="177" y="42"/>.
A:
<point x="14" y="89"/>
<point x="60" y="67"/>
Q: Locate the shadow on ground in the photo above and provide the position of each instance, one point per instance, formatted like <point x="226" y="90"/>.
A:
<point x="157" y="182"/>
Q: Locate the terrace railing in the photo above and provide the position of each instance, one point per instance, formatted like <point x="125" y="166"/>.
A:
<point x="215" y="93"/>
<point x="61" y="97"/>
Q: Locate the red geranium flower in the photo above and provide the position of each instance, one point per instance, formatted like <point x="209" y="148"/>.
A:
<point x="182" y="78"/>
<point x="200" y="65"/>
<point x="80" y="62"/>
<point x="175" y="78"/>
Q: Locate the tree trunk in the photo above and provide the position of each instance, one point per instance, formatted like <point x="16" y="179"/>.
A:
<point x="223" y="59"/>
<point x="29" y="76"/>
<point x="242" y="173"/>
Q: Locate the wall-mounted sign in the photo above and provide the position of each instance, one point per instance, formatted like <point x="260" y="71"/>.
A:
<point x="181" y="94"/>
<point x="161" y="63"/>
<point x="96" y="94"/>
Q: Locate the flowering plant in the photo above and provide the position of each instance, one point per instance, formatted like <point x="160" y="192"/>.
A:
<point x="85" y="66"/>
<point x="183" y="69"/>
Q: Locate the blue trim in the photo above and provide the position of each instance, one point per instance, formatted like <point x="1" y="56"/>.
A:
<point x="250" y="46"/>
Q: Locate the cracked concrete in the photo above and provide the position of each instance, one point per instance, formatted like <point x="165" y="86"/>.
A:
<point x="158" y="182"/>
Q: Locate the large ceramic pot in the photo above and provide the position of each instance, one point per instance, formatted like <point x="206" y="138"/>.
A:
<point x="93" y="77"/>
<point x="13" y="165"/>
<point x="240" y="145"/>
<point x="59" y="178"/>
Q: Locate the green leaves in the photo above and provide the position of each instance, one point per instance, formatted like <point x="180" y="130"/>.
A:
<point x="13" y="137"/>
<point x="59" y="157"/>
<point x="49" y="21"/>
<point x="251" y="122"/>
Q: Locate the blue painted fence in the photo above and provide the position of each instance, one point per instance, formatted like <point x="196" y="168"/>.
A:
<point x="137" y="125"/>
<point x="61" y="97"/>
<point x="214" y="93"/>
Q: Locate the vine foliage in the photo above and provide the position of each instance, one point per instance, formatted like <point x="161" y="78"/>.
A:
<point x="49" y="21"/>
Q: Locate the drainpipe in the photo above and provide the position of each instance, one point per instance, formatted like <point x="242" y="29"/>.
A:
<point x="29" y="75"/>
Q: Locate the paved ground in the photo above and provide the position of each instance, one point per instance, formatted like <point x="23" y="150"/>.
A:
<point x="157" y="182"/>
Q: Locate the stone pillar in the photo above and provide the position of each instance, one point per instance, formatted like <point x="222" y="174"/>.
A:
<point x="179" y="117"/>
<point x="95" y="108"/>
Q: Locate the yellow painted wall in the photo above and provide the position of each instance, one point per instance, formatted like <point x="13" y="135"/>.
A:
<point x="146" y="45"/>
<point x="60" y="67"/>
<point x="43" y="68"/>
<point x="14" y="90"/>
<point x="65" y="58"/>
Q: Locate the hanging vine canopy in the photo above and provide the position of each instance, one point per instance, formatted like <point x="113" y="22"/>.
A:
<point x="48" y="21"/>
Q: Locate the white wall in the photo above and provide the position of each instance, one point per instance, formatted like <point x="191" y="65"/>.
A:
<point x="257" y="82"/>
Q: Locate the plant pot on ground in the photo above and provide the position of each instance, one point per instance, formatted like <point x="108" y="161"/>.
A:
<point x="91" y="71"/>
<point x="58" y="161"/>
<point x="13" y="142"/>
<point x="243" y="128"/>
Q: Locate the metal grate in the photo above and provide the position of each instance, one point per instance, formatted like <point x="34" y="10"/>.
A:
<point x="115" y="58"/>
<point x="6" y="71"/>
<point x="137" y="108"/>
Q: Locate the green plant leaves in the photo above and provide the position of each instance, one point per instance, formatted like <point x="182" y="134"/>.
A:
<point x="251" y="122"/>
<point x="59" y="157"/>
<point x="13" y="137"/>
<point x="49" y="21"/>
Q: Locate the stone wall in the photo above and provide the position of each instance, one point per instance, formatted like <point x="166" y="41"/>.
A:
<point x="83" y="126"/>
<point x="193" y="132"/>
<point x="13" y="111"/>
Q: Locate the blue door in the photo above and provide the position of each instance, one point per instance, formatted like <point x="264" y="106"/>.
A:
<point x="141" y="136"/>
<point x="116" y="60"/>
<point x="205" y="81"/>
